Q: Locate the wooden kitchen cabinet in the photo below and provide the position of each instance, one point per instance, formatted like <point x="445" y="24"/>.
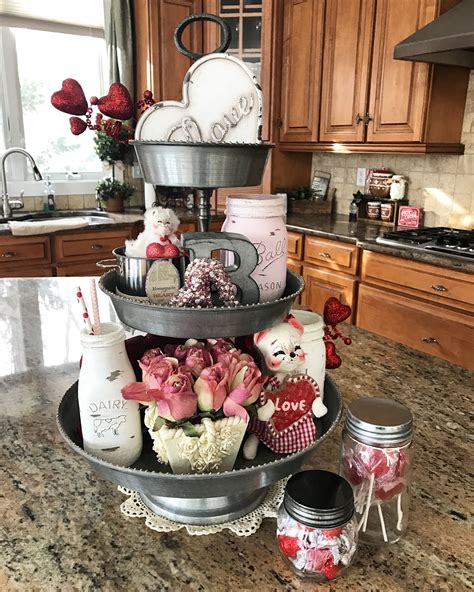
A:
<point x="72" y="253"/>
<point x="160" y="66"/>
<point x="88" y="246"/>
<point x="424" y="326"/>
<point x="369" y="101"/>
<point x="423" y="306"/>
<point x="28" y="253"/>
<point x="335" y="255"/>
<point x="438" y="285"/>
<point x="321" y="284"/>
<point x="344" y="86"/>
<point x="301" y="72"/>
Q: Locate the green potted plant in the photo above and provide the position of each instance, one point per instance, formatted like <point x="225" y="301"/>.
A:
<point x="113" y="193"/>
<point x="110" y="191"/>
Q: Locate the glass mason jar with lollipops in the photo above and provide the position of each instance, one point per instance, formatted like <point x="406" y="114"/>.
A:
<point x="376" y="459"/>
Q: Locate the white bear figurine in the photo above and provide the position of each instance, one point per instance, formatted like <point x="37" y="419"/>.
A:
<point x="161" y="225"/>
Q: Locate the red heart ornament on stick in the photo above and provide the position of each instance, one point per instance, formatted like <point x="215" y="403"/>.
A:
<point x="117" y="103"/>
<point x="333" y="361"/>
<point x="292" y="401"/>
<point x="78" y="125"/>
<point x="335" y="312"/>
<point x="70" y="99"/>
<point x="155" y="251"/>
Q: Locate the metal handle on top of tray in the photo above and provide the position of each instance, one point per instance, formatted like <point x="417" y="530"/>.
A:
<point x="226" y="34"/>
<point x="105" y="264"/>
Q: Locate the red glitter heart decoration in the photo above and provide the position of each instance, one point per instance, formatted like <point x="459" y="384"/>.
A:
<point x="292" y="401"/>
<point x="155" y="251"/>
<point x="117" y="103"/>
<point x="78" y="125"/>
<point x="70" y="99"/>
<point x="332" y="359"/>
<point x="335" y="312"/>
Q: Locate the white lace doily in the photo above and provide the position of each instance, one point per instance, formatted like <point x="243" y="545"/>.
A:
<point x="133" y="507"/>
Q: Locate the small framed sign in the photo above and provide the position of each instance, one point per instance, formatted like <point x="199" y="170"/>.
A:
<point x="320" y="185"/>
<point x="410" y="216"/>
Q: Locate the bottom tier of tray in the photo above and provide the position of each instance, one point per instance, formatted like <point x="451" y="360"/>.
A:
<point x="199" y="498"/>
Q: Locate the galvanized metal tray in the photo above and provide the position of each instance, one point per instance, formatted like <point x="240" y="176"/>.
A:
<point x="199" y="498"/>
<point x="201" y="323"/>
<point x="201" y="165"/>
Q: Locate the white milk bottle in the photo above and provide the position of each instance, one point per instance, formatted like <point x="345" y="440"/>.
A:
<point x="111" y="426"/>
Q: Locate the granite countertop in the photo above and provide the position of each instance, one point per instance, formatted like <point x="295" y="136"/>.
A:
<point x="62" y="528"/>
<point x="364" y="234"/>
<point x="130" y="216"/>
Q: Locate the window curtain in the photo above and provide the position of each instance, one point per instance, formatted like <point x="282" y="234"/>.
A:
<point x="119" y="42"/>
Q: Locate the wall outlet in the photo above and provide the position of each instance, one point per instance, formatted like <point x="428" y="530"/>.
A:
<point x="136" y="172"/>
<point x="361" y="173"/>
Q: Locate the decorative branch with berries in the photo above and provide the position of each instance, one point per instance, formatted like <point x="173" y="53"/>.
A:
<point x="117" y="105"/>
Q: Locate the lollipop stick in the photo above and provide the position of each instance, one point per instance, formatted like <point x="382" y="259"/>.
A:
<point x="369" y="497"/>
<point x="399" y="511"/>
<point x="382" y="523"/>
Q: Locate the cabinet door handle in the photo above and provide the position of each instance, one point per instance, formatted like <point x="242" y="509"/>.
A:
<point x="439" y="288"/>
<point x="97" y="247"/>
<point x="9" y="254"/>
<point x="429" y="339"/>
<point x="367" y="118"/>
<point x="358" y="119"/>
<point x="325" y="255"/>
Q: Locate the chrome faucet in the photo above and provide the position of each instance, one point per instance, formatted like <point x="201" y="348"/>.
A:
<point x="16" y="203"/>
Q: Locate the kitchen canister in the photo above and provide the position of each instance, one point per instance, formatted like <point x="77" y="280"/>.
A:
<point x="373" y="210"/>
<point x="398" y="187"/>
<point x="316" y="529"/>
<point x="260" y="219"/>
<point x="111" y="426"/>
<point x="313" y="345"/>
<point x="377" y="459"/>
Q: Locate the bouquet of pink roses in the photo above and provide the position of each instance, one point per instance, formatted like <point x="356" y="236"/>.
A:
<point x="197" y="396"/>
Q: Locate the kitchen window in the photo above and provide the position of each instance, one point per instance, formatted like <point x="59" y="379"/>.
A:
<point x="37" y="52"/>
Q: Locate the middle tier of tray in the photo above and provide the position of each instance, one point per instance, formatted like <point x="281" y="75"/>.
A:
<point x="201" y="323"/>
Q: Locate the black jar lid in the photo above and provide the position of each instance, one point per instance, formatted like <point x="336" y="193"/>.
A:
<point x="378" y="421"/>
<point x="319" y="499"/>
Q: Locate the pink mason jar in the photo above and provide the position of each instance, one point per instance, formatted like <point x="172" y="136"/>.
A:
<point x="260" y="219"/>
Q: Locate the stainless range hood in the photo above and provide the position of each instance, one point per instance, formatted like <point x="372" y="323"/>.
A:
<point x="449" y="39"/>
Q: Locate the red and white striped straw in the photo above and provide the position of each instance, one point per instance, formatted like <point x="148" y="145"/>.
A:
<point x="85" y="314"/>
<point x="95" y="308"/>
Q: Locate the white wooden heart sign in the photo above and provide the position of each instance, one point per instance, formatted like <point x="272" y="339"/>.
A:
<point x="222" y="102"/>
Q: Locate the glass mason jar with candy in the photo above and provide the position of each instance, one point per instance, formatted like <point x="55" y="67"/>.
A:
<point x="376" y="460"/>
<point x="316" y="528"/>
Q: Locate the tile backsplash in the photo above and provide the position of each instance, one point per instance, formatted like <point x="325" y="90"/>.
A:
<point x="442" y="184"/>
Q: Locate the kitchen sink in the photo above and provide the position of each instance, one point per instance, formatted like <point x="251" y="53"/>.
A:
<point x="92" y="216"/>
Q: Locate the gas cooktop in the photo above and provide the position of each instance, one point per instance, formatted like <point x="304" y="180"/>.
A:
<point x="448" y="241"/>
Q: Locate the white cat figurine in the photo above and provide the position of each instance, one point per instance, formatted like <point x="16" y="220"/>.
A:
<point x="281" y="348"/>
<point x="161" y="225"/>
<point x="283" y="356"/>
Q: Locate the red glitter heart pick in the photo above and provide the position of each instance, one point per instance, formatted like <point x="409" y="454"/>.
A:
<point x="78" y="125"/>
<point x="292" y="401"/>
<point x="332" y="359"/>
<point x="335" y="312"/>
<point x="70" y="99"/>
<point x="117" y="103"/>
<point x="155" y="251"/>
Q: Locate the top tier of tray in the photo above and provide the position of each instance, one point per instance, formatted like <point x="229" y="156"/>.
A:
<point x="201" y="165"/>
